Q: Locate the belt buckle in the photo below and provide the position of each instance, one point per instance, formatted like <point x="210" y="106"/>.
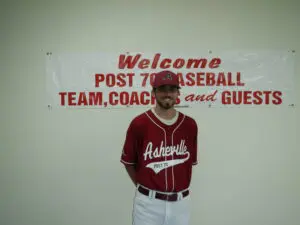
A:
<point x="172" y="197"/>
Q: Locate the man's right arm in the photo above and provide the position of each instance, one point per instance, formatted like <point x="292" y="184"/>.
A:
<point x="131" y="172"/>
<point x="129" y="153"/>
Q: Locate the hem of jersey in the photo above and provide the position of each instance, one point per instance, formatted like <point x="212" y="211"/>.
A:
<point x="127" y="163"/>
<point x="195" y="163"/>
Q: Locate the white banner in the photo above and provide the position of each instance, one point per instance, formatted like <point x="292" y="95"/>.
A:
<point x="118" y="80"/>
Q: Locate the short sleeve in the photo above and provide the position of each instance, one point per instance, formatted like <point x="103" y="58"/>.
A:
<point x="195" y="145"/>
<point x="129" y="152"/>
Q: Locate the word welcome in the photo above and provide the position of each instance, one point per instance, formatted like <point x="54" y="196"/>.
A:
<point x="130" y="62"/>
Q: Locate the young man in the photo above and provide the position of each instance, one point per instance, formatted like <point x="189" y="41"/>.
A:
<point x="159" y="151"/>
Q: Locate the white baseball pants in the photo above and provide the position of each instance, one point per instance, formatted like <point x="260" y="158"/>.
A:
<point x="151" y="211"/>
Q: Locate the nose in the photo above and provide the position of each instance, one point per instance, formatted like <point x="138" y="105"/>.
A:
<point x="168" y="92"/>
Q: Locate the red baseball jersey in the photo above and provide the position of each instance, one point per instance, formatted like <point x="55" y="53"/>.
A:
<point x="163" y="154"/>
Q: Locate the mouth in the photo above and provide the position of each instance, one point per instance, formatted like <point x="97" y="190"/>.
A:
<point x="167" y="100"/>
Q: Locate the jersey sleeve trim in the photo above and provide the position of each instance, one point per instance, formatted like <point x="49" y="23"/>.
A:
<point x="127" y="163"/>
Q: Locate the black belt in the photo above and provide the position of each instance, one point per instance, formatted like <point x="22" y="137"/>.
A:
<point x="167" y="197"/>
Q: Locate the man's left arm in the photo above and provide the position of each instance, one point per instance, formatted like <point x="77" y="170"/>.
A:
<point x="195" y="145"/>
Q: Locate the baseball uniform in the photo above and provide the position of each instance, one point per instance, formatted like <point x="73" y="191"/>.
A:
<point x="163" y="153"/>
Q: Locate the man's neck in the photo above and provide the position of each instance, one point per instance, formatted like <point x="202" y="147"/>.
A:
<point x="166" y="114"/>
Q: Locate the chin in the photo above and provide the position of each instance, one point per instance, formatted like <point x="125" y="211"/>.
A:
<point x="166" y="106"/>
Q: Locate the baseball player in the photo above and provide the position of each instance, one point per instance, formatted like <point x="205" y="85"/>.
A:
<point x="158" y="153"/>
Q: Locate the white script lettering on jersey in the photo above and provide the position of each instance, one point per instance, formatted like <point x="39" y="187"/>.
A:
<point x="159" y="166"/>
<point x="179" y="149"/>
<point x="165" y="151"/>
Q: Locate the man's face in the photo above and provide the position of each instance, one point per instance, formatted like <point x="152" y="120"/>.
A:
<point x="166" y="96"/>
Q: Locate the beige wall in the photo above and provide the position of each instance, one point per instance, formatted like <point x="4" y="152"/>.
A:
<point x="61" y="167"/>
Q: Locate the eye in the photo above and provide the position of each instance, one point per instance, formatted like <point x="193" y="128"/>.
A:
<point x="167" y="89"/>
